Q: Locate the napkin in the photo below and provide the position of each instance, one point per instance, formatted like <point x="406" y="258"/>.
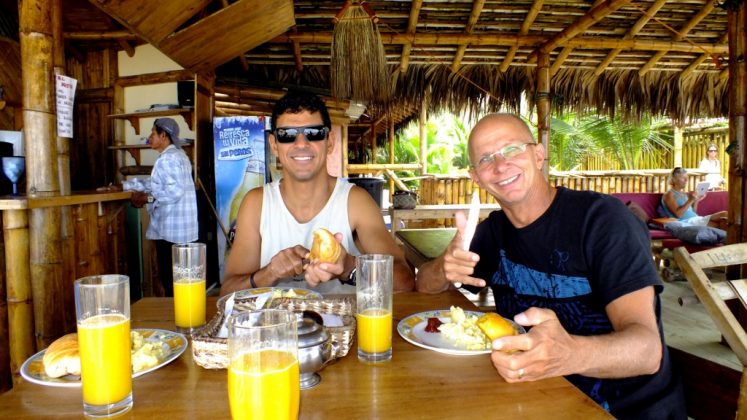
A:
<point x="223" y="332"/>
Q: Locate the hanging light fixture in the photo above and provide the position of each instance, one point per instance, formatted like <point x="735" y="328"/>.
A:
<point x="358" y="68"/>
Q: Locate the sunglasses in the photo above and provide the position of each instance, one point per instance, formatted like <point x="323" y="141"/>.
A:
<point x="713" y="150"/>
<point x="311" y="132"/>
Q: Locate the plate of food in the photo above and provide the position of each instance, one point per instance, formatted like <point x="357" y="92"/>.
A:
<point x="151" y="350"/>
<point x="455" y="331"/>
<point x="264" y="295"/>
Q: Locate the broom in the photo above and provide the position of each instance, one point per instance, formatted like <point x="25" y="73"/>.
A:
<point x="358" y="68"/>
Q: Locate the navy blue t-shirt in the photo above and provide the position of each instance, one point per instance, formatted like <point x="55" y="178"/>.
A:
<point x="584" y="252"/>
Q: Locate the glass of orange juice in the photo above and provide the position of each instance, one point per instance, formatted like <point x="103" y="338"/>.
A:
<point x="263" y="372"/>
<point x="374" y="307"/>
<point x="102" y="307"/>
<point x="188" y="261"/>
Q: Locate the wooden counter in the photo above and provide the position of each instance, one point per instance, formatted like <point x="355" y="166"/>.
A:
<point x="23" y="202"/>
<point x="416" y="383"/>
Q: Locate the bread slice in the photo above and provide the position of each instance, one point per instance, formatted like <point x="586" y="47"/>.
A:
<point x="325" y="247"/>
<point x="495" y="326"/>
<point x="62" y="357"/>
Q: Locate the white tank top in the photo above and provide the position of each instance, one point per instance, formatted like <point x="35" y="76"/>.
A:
<point x="280" y="230"/>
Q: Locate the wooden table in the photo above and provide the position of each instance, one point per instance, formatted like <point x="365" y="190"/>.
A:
<point x="435" y="211"/>
<point x="423" y="245"/>
<point x="416" y="383"/>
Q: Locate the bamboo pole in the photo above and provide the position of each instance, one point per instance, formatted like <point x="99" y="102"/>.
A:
<point x="423" y="138"/>
<point x="525" y="26"/>
<point x="20" y="303"/>
<point x="63" y="168"/>
<point x="429" y="39"/>
<point x="543" y="108"/>
<point x="737" y="126"/>
<point x="42" y="175"/>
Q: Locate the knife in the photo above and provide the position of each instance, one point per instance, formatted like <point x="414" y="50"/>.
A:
<point x="469" y="229"/>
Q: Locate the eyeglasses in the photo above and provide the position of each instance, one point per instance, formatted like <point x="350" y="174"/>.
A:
<point x="508" y="151"/>
<point x="311" y="132"/>
<point x="712" y="150"/>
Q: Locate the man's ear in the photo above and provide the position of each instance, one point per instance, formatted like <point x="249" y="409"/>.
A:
<point x="331" y="139"/>
<point x="539" y="155"/>
<point x="475" y="178"/>
<point x="273" y="144"/>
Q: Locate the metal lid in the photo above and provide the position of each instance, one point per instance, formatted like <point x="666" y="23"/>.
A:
<point x="310" y="333"/>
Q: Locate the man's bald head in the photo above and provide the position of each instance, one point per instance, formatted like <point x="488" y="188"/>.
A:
<point x="500" y="120"/>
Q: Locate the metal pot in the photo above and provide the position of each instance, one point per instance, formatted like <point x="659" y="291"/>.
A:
<point x="314" y="350"/>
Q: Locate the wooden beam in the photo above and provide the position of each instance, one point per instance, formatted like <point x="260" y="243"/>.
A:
<point x="297" y="57"/>
<point x="242" y="59"/>
<point x="473" y="17"/>
<point x="632" y="32"/>
<point x="124" y="35"/>
<point x="560" y="59"/>
<point x="679" y="36"/>
<point x="412" y="25"/>
<point x="528" y="21"/>
<point x="423" y="39"/>
<point x="129" y="49"/>
<point x="543" y="107"/>
<point x="154" y="78"/>
<point x="593" y="16"/>
<point x="703" y="57"/>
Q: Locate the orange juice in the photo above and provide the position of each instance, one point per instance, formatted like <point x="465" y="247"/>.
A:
<point x="374" y="330"/>
<point x="267" y="388"/>
<point x="189" y="303"/>
<point x="105" y="358"/>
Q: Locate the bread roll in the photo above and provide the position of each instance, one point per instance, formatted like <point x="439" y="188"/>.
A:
<point x="62" y="357"/>
<point x="325" y="247"/>
<point x="495" y="326"/>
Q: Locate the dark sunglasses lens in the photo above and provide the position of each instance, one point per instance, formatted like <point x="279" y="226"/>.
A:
<point x="315" y="133"/>
<point x="286" y="135"/>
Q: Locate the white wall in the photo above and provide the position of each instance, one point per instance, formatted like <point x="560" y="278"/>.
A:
<point x="148" y="59"/>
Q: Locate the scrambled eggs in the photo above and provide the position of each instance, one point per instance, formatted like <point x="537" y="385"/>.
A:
<point x="462" y="330"/>
<point x="145" y="354"/>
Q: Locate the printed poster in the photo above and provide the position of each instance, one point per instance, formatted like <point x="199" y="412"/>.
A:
<point x="65" y="92"/>
<point x="239" y="167"/>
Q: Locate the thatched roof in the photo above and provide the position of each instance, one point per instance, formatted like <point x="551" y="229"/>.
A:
<point x="668" y="58"/>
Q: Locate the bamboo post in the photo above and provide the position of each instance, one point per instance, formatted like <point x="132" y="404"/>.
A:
<point x="423" y="139"/>
<point x="543" y="107"/>
<point x="20" y="303"/>
<point x="391" y="151"/>
<point x="39" y="122"/>
<point x="345" y="139"/>
<point x="737" y="123"/>
<point x="63" y="166"/>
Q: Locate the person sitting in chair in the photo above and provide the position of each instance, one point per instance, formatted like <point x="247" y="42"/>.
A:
<point x="680" y="204"/>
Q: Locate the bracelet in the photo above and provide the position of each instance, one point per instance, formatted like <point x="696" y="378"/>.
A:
<point x="251" y="280"/>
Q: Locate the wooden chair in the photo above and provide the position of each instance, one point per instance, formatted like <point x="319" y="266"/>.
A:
<point x="714" y="296"/>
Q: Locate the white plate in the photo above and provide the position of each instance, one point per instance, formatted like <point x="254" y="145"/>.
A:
<point x="412" y="329"/>
<point x="32" y="369"/>
<point x="247" y="293"/>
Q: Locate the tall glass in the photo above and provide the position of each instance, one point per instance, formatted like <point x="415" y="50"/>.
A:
<point x="188" y="261"/>
<point x="263" y="373"/>
<point x="374" y="307"/>
<point x="102" y="307"/>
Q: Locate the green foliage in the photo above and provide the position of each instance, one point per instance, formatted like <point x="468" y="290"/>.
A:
<point x="573" y="137"/>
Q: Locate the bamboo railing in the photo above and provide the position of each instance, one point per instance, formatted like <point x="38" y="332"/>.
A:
<point x="435" y="189"/>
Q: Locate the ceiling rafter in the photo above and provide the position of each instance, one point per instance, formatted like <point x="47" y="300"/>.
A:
<point x="705" y="11"/>
<point x="513" y="39"/>
<point x="593" y="16"/>
<point x="528" y="20"/>
<point x="567" y="50"/>
<point x="703" y="57"/>
<point x="632" y="32"/>
<point x="477" y="6"/>
<point x="412" y="25"/>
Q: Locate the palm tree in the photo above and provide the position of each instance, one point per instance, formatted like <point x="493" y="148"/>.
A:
<point x="575" y="136"/>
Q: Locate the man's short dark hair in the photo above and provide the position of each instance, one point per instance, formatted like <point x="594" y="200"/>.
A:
<point x="295" y="102"/>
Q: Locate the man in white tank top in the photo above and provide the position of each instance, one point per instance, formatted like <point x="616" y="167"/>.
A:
<point x="275" y="222"/>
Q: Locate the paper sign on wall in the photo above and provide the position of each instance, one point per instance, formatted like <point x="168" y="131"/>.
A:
<point x="65" y="88"/>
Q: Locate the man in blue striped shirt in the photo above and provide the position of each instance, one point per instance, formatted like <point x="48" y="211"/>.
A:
<point x="171" y="200"/>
